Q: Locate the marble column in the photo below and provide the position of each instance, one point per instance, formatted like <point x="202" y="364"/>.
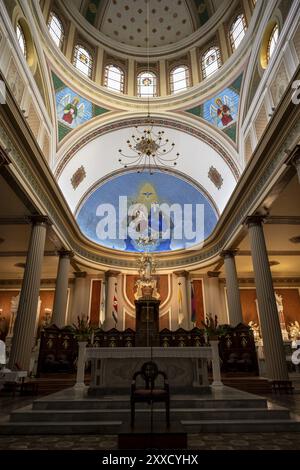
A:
<point x="61" y="289"/>
<point x="112" y="285"/>
<point x="79" y="304"/>
<point x="269" y="320"/>
<point x="80" y="365"/>
<point x="296" y="163"/>
<point x="25" y="323"/>
<point x="233" y="292"/>
<point x="183" y="320"/>
<point x="214" y="296"/>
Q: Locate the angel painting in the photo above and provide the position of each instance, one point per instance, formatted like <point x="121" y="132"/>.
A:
<point x="222" y="111"/>
<point x="70" y="111"/>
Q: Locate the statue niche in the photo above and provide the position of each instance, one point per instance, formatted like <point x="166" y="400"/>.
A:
<point x="147" y="300"/>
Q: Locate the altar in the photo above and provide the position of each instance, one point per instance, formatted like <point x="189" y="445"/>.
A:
<point x="186" y="368"/>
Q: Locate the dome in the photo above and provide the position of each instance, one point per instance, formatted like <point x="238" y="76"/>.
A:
<point x="131" y="22"/>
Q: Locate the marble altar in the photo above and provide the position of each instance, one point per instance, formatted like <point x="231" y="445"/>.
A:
<point x="186" y="368"/>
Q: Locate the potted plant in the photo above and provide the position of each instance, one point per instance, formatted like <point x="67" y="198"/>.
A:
<point x="212" y="328"/>
<point x="82" y="330"/>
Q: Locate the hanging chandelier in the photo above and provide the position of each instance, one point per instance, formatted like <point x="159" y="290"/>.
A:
<point x="148" y="148"/>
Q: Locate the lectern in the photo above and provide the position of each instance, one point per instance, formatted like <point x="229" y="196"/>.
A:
<point x="147" y="322"/>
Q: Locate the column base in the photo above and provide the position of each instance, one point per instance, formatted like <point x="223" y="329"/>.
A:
<point x="80" y="386"/>
<point x="217" y="384"/>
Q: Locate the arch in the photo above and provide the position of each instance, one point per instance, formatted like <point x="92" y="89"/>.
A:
<point x="179" y="78"/>
<point x="273" y="39"/>
<point x="21" y="39"/>
<point x="83" y="60"/>
<point x="237" y="31"/>
<point x="211" y="61"/>
<point x="269" y="41"/>
<point x="56" y="29"/>
<point x="25" y="41"/>
<point x="114" y="78"/>
<point x="147" y="84"/>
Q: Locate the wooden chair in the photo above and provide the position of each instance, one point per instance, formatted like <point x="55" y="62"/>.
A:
<point x="149" y="394"/>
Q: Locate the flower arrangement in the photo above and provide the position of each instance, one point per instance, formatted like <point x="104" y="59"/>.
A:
<point x="212" y="328"/>
<point x="82" y="330"/>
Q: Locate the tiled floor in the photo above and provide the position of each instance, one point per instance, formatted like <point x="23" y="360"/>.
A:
<point x="228" y="441"/>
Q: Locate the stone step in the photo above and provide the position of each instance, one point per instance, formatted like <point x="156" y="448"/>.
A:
<point x="74" y="427"/>
<point x="26" y="414"/>
<point x="256" y="425"/>
<point x="113" y="427"/>
<point x="124" y="402"/>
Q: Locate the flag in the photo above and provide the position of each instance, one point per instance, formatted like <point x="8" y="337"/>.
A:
<point x="102" y="305"/>
<point x="115" y="306"/>
<point x="180" y="309"/>
<point x="193" y="304"/>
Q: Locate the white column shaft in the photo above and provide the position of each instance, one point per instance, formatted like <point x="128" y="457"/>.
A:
<point x="269" y="321"/>
<point x="25" y="323"/>
<point x="233" y="293"/>
<point x="109" y="320"/>
<point x="61" y="292"/>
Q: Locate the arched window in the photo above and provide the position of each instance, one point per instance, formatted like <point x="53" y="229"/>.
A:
<point x="114" y="78"/>
<point x="83" y="60"/>
<point x="146" y="85"/>
<point x="211" y="61"/>
<point x="179" y="79"/>
<point x="273" y="39"/>
<point x="56" y="29"/>
<point x="237" y="31"/>
<point x="21" y="39"/>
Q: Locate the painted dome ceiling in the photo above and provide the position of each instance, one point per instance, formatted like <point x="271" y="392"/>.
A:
<point x="129" y="22"/>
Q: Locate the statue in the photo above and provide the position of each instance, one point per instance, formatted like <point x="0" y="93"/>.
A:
<point x="146" y="284"/>
<point x="279" y="303"/>
<point x="256" y="331"/>
<point x="294" y="332"/>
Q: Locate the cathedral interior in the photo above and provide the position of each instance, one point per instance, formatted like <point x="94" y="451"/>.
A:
<point x="149" y="224"/>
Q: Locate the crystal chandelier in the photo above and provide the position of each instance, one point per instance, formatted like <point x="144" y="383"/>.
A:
<point x="148" y="149"/>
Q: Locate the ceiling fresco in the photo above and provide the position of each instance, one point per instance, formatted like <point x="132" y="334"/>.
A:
<point x="162" y="210"/>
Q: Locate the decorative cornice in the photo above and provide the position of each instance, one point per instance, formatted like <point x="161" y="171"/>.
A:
<point x="271" y="253"/>
<point x="13" y="221"/>
<point x="22" y="254"/>
<point x="283" y="220"/>
<point x="276" y="280"/>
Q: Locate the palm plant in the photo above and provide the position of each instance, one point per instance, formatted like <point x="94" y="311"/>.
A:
<point x="82" y="330"/>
